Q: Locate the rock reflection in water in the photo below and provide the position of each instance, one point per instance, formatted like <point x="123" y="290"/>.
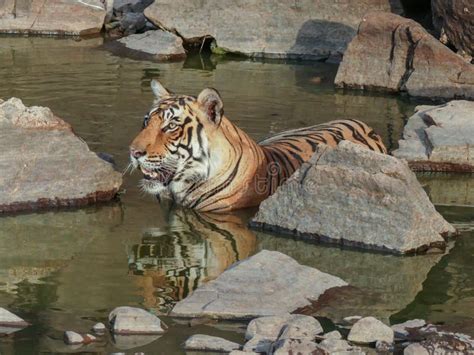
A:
<point x="449" y="189"/>
<point x="194" y="248"/>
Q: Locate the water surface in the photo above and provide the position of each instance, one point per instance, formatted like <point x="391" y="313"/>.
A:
<point x="67" y="269"/>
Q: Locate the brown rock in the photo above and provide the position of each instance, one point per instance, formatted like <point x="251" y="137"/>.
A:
<point x="43" y="164"/>
<point x="311" y="29"/>
<point x="396" y="54"/>
<point x="69" y="17"/>
<point x="455" y="19"/>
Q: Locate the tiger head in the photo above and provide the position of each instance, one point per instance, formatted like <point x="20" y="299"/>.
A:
<point x="172" y="149"/>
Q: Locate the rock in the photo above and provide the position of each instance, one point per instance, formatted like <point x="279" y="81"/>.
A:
<point x="40" y="159"/>
<point x="52" y="17"/>
<point x="241" y="352"/>
<point x="333" y="335"/>
<point x="296" y="346"/>
<point x="258" y="286"/>
<point x="132" y="23"/>
<point x="351" y="320"/>
<point x="456" y="20"/>
<point x="267" y="327"/>
<point x="158" y="45"/>
<point x="384" y="347"/>
<point x="335" y="345"/>
<point x="131" y="320"/>
<point x="370" y="330"/>
<point x="305" y="29"/>
<point x="415" y="349"/>
<point x="401" y="329"/>
<point x="8" y="319"/>
<point x="353" y="196"/>
<point x="439" y="138"/>
<point x="89" y="338"/>
<point x="99" y="328"/>
<point x="73" y="338"/>
<point x="201" y="342"/>
<point x="127" y="6"/>
<point x="301" y="327"/>
<point x="259" y="344"/>
<point x="396" y="54"/>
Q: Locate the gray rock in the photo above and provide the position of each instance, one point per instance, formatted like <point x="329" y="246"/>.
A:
<point x="132" y="23"/>
<point x="131" y="320"/>
<point x="415" y="349"/>
<point x="127" y="6"/>
<point x="259" y="344"/>
<point x="354" y="196"/>
<point x="301" y="327"/>
<point x="351" y="320"/>
<point x="401" y="329"/>
<point x="258" y="286"/>
<point x="439" y="138"/>
<point x="383" y="347"/>
<point x="203" y="342"/>
<point x="296" y="346"/>
<point x="99" y="328"/>
<point x="241" y="352"/>
<point x="159" y="44"/>
<point x="47" y="175"/>
<point x="8" y="319"/>
<point x="456" y="20"/>
<point x="335" y="345"/>
<point x="302" y="29"/>
<point x="73" y="338"/>
<point x="267" y="327"/>
<point x="396" y="54"/>
<point x="370" y="330"/>
<point x="72" y="17"/>
<point x="333" y="335"/>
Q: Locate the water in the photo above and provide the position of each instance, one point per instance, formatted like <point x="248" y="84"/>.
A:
<point x="67" y="269"/>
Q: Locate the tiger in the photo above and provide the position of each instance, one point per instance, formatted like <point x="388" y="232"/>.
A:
<point x="187" y="148"/>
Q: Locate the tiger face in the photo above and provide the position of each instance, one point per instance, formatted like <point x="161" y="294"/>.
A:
<point x="172" y="149"/>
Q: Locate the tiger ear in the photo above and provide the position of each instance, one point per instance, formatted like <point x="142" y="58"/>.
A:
<point x="211" y="104"/>
<point x="159" y="90"/>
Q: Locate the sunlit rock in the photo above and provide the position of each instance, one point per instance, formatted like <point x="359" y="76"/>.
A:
<point x="8" y="319"/>
<point x="132" y="320"/>
<point x="71" y="17"/>
<point x="258" y="286"/>
<point x="73" y="338"/>
<point x="201" y="342"/>
<point x="439" y="138"/>
<point x="369" y="330"/>
<point x="43" y="164"/>
<point x="352" y="196"/>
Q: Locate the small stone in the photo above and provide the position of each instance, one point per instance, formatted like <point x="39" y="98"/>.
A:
<point x="73" y="338"/>
<point x="131" y="320"/>
<point x="296" y="346"/>
<point x="259" y="344"/>
<point x="201" y="342"/>
<point x="415" y="349"/>
<point x="99" y="328"/>
<point x="369" y="330"/>
<point x="88" y="338"/>
<point x="401" y="329"/>
<point x="335" y="345"/>
<point x="384" y="347"/>
<point x="9" y="319"/>
<point x="333" y="335"/>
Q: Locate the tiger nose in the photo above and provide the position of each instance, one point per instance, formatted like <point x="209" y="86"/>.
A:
<point x="137" y="153"/>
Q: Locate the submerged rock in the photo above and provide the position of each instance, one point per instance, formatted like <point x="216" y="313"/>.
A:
<point x="43" y="164"/>
<point x="158" y="45"/>
<point x="201" y="342"/>
<point x="396" y="54"/>
<point x="440" y="138"/>
<point x="131" y="320"/>
<point x="70" y="17"/>
<point x="305" y="29"/>
<point x="370" y="330"/>
<point x="268" y="283"/>
<point x="353" y="196"/>
<point x="8" y="319"/>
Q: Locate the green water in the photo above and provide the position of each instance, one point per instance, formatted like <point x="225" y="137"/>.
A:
<point x="67" y="269"/>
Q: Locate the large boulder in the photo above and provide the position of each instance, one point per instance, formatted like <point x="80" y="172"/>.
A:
<point x="268" y="283"/>
<point x="455" y="19"/>
<point x="52" y="16"/>
<point x="311" y="29"/>
<point x="44" y="164"/>
<point x="396" y="54"/>
<point x="439" y="138"/>
<point x="353" y="196"/>
<point x="158" y="45"/>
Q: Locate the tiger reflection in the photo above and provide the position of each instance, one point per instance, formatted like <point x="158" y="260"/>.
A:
<point x="170" y="263"/>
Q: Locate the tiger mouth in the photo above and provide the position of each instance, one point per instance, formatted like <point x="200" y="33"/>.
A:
<point x="162" y="176"/>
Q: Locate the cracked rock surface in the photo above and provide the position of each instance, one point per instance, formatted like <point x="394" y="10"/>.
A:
<point x="395" y="54"/>
<point x="353" y="196"/>
<point x="43" y="164"/>
<point x="440" y="138"/>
